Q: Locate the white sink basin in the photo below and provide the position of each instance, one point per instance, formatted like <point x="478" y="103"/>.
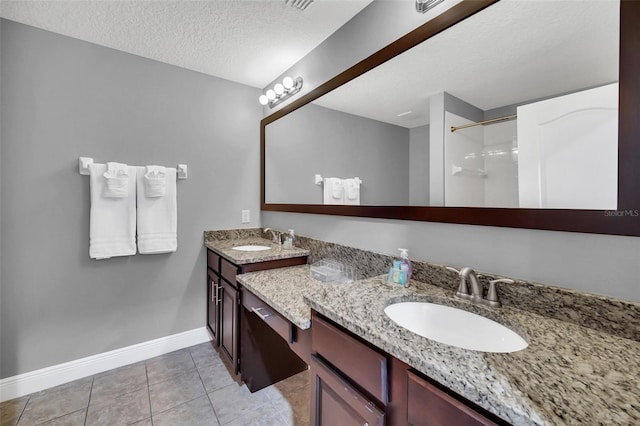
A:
<point x="455" y="327"/>
<point x="251" y="248"/>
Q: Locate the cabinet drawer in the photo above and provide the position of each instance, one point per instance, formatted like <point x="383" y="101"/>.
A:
<point x="229" y="271"/>
<point x="336" y="402"/>
<point x="254" y="304"/>
<point x="360" y="363"/>
<point x="430" y="406"/>
<point x="213" y="261"/>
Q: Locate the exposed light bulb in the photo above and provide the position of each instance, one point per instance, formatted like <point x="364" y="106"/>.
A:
<point x="263" y="100"/>
<point x="271" y="95"/>
<point x="279" y="89"/>
<point x="287" y="82"/>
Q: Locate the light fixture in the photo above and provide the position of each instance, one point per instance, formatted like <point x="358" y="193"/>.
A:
<point x="271" y="94"/>
<point x="281" y="91"/>
<point x="424" y="5"/>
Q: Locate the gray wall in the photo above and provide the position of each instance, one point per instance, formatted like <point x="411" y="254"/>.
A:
<point x="1" y="90"/>
<point x="61" y="99"/>
<point x="602" y="264"/>
<point x="318" y="140"/>
<point x="419" y="166"/>
<point x="385" y="20"/>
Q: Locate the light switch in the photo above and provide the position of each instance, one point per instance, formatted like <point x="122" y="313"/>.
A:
<point x="246" y="216"/>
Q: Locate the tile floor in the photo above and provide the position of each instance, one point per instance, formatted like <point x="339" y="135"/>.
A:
<point x="190" y="387"/>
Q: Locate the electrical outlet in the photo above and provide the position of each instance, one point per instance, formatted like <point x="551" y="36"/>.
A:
<point x="246" y="216"/>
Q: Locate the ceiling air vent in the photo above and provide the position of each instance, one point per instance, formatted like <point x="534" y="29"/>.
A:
<point x="423" y="5"/>
<point x="300" y="4"/>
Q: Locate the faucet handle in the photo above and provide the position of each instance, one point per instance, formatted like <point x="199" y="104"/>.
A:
<point x="452" y="269"/>
<point x="502" y="280"/>
<point x="492" y="294"/>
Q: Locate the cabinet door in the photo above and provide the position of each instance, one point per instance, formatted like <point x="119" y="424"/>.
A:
<point x="213" y="302"/>
<point x="335" y="402"/>
<point x="430" y="406"/>
<point x="229" y="323"/>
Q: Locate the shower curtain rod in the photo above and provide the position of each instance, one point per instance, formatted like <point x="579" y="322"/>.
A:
<point x="493" y="120"/>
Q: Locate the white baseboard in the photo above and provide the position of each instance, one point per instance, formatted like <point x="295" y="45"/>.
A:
<point x="35" y="381"/>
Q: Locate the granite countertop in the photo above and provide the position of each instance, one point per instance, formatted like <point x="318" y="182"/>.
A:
<point x="225" y="248"/>
<point x="284" y="290"/>
<point x="568" y="375"/>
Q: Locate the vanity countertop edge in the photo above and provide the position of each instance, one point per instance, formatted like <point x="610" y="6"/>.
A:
<point x="568" y="375"/>
<point x="225" y="249"/>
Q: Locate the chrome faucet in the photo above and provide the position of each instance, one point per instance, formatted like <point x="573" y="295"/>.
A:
<point x="467" y="274"/>
<point x="275" y="235"/>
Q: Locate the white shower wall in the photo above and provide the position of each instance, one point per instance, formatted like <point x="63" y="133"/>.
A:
<point x="480" y="149"/>
<point x="501" y="164"/>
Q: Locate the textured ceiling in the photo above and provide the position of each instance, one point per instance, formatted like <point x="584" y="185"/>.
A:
<point x="513" y="51"/>
<point x="248" y="41"/>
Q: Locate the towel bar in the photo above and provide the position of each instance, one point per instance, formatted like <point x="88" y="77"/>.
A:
<point x="85" y="162"/>
<point x="319" y="179"/>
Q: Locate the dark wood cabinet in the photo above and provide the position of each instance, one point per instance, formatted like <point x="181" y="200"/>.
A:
<point x="334" y="401"/>
<point x="428" y="405"/>
<point x="229" y="321"/>
<point x="349" y="379"/>
<point x="213" y="303"/>
<point x="223" y="301"/>
<point x="267" y="340"/>
<point x="362" y="364"/>
<point x="348" y="373"/>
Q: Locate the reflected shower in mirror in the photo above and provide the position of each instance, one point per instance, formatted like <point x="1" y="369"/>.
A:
<point x="407" y="128"/>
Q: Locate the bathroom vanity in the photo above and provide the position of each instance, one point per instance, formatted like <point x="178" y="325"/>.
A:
<point x="570" y="373"/>
<point x="232" y="312"/>
<point x="353" y="382"/>
<point x="580" y="367"/>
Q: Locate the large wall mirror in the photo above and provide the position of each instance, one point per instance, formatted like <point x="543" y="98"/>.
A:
<point x="519" y="114"/>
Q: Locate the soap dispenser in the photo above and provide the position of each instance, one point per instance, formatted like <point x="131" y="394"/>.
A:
<point x="405" y="264"/>
<point x="289" y="239"/>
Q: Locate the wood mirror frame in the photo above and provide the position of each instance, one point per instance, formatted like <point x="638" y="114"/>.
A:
<point x="623" y="221"/>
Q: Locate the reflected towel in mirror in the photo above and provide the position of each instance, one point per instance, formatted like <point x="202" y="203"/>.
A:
<point x="333" y="192"/>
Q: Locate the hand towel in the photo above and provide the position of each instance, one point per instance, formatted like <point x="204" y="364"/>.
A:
<point x="352" y="191"/>
<point x="333" y="191"/>
<point x="116" y="184"/>
<point x="112" y="221"/>
<point x="158" y="216"/>
<point x="155" y="182"/>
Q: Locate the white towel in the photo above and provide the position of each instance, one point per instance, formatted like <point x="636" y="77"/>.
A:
<point x="112" y="221"/>
<point x="333" y="192"/>
<point x="155" y="182"/>
<point x="158" y="216"/>
<point x="116" y="184"/>
<point x="352" y="191"/>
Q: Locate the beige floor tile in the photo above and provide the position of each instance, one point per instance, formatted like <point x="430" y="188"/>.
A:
<point x="197" y="412"/>
<point x="11" y="410"/>
<point x="170" y="365"/>
<point x="215" y="376"/>
<point x="107" y="387"/>
<point x="123" y="410"/>
<point x="234" y="401"/>
<point x="266" y="415"/>
<point x="175" y="391"/>
<point x="56" y="402"/>
<point x="73" y="419"/>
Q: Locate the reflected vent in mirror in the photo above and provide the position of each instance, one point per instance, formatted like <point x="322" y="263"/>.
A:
<point x="303" y="4"/>
<point x="424" y="5"/>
